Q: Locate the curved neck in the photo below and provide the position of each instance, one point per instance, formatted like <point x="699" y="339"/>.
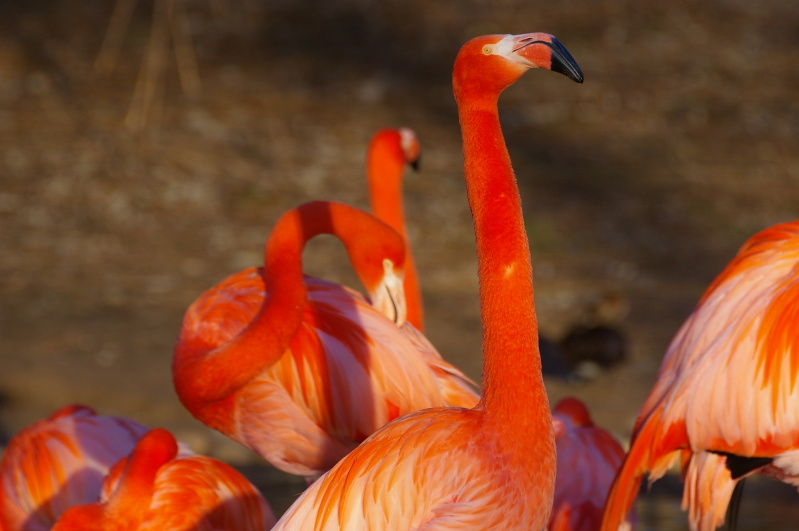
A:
<point x="385" y="165"/>
<point x="216" y="374"/>
<point x="512" y="380"/>
<point x="133" y="495"/>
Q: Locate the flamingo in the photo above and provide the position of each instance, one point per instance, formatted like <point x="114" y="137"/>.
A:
<point x="155" y="489"/>
<point x="726" y="399"/>
<point x="59" y="462"/>
<point x="492" y="466"/>
<point x="390" y="150"/>
<point x="304" y="373"/>
<point x="588" y="458"/>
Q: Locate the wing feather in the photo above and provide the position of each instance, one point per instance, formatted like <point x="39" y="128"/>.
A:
<point x="379" y="485"/>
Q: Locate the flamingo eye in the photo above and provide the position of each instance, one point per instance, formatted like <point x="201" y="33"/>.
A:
<point x="486" y="50"/>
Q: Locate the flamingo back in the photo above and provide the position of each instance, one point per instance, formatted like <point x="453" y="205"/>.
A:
<point x="59" y="462"/>
<point x="198" y="492"/>
<point x="156" y="488"/>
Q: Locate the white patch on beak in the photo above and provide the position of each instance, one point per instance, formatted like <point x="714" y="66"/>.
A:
<point x="389" y="296"/>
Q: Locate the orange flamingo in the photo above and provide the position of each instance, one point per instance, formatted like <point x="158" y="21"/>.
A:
<point x="726" y="400"/>
<point x="588" y="458"/>
<point x="304" y="373"/>
<point x="390" y="150"/>
<point x="493" y="466"/>
<point x="155" y="489"/>
<point x="60" y="462"/>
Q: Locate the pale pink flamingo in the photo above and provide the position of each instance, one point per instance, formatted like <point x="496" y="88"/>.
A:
<point x="493" y="466"/>
<point x="154" y="489"/>
<point x="302" y="370"/>
<point x="726" y="399"/>
<point x="390" y="150"/>
<point x="59" y="462"/>
<point x="588" y="459"/>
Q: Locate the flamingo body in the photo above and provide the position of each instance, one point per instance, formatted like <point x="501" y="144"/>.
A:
<point x="343" y="373"/>
<point x="59" y="462"/>
<point x="726" y="399"/>
<point x="492" y="466"/>
<point x="588" y="459"/>
<point x="156" y="489"/>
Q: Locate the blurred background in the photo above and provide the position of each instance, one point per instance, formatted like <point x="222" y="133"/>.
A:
<point x="146" y="148"/>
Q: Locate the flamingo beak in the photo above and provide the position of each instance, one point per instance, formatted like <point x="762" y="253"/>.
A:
<point x="563" y="62"/>
<point x="559" y="427"/>
<point x="389" y="296"/>
<point x="559" y="60"/>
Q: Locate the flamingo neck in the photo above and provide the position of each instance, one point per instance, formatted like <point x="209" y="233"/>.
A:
<point x="133" y="495"/>
<point x="513" y="397"/>
<point x="384" y="169"/>
<point x="211" y="375"/>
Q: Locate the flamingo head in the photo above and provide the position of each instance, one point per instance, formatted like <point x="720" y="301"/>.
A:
<point x="411" y="148"/>
<point x="575" y="411"/>
<point x="489" y="64"/>
<point x="388" y="294"/>
<point x="378" y="257"/>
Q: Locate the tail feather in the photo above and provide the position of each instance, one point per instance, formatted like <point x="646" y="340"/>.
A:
<point x="708" y="488"/>
<point x="651" y="451"/>
<point x="622" y="493"/>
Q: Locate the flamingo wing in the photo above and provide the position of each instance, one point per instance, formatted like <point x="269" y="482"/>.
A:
<point x="457" y="388"/>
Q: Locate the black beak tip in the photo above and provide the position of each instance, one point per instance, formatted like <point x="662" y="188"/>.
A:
<point x="564" y="63"/>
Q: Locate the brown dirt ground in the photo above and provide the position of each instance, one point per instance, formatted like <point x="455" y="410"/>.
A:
<point x="642" y="182"/>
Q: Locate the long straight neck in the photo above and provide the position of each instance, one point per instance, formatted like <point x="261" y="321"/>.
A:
<point x="513" y="389"/>
<point x="384" y="169"/>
